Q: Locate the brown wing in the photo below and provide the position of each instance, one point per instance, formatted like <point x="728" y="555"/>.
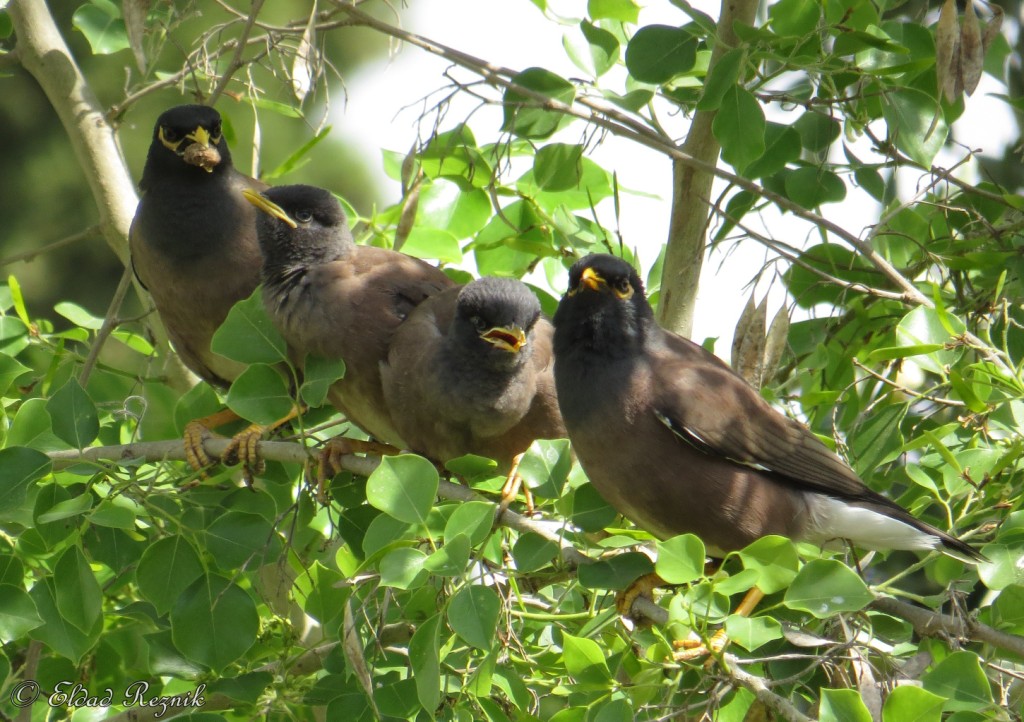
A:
<point x="708" y="405"/>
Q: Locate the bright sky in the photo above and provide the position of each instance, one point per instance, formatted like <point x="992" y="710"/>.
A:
<point x="514" y="33"/>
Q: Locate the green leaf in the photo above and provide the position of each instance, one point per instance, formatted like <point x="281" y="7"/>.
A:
<point x="775" y="560"/>
<point x="924" y="327"/>
<point x="658" y="53"/>
<point x="10" y="370"/>
<point x="878" y="439"/>
<point x="473" y="615"/>
<point x="248" y="335"/>
<point x="19" y="467"/>
<point x="19" y="615"/>
<point x="75" y="506"/>
<point x="752" y="632"/>
<point x="533" y="552"/>
<point x="589" y="511"/>
<point x="260" y="395"/>
<point x="1005" y="566"/>
<point x="817" y="131"/>
<point x="615" y="710"/>
<point x="73" y="415"/>
<point x="78" y="596"/>
<point x="57" y="632"/>
<point x="167" y="568"/>
<point x="475" y="519"/>
<point x="594" y="50"/>
<point x="523" y="117"/>
<point x="825" y="587"/>
<point x="6" y="26"/>
<point x="558" y="166"/>
<point x="627" y="11"/>
<point x="112" y="514"/>
<point x="451" y="559"/>
<point x="680" y="559"/>
<point x="101" y="23"/>
<point x="842" y="705"/>
<point x="961" y="680"/>
<point x="298" y="158"/>
<point x="915" y="124"/>
<point x="584" y="660"/>
<point x="433" y="244"/>
<point x="907" y="703"/>
<point x="214" y="622"/>
<point x="739" y="126"/>
<point x="425" y="662"/>
<point x="402" y="568"/>
<point x="318" y="375"/>
<point x="616" y="572"/>
<point x="403" y="487"/>
<point x="78" y="315"/>
<point x="461" y="212"/>
<point x="811" y="187"/>
<point x="723" y="75"/>
<point x="545" y="466"/>
<point x="237" y="538"/>
<point x="794" y="18"/>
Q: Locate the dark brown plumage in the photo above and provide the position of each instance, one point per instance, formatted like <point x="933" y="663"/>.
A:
<point x="193" y="238"/>
<point x="336" y="300"/>
<point x="193" y="246"/>
<point x="677" y="442"/>
<point x="470" y="372"/>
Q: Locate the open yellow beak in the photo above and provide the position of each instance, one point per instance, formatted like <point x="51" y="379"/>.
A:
<point x="507" y="338"/>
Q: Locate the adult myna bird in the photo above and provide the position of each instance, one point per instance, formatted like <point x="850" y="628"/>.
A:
<point x="336" y="300"/>
<point x="677" y="442"/>
<point x="470" y="372"/>
<point x="193" y="246"/>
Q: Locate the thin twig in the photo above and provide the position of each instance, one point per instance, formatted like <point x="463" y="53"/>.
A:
<point x="904" y="389"/>
<point x="924" y="621"/>
<point x="236" y="59"/>
<point x="110" y="322"/>
<point x="780" y="705"/>
<point x="66" y="241"/>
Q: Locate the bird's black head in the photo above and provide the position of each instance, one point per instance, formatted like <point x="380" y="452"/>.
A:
<point x="495" y="316"/>
<point x="604" y="310"/>
<point x="187" y="139"/>
<point x="300" y="225"/>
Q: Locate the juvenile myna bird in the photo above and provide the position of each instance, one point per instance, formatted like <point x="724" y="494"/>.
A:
<point x="677" y="442"/>
<point x="336" y="300"/>
<point x="193" y="246"/>
<point x="470" y="372"/>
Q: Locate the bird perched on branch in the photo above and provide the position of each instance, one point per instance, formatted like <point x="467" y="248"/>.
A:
<point x="470" y="372"/>
<point x="193" y="247"/>
<point x="677" y="442"/>
<point x="334" y="299"/>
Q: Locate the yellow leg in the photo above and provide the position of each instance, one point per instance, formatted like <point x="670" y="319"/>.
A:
<point x="692" y="649"/>
<point x="244" y="448"/>
<point x="199" y="430"/>
<point x="642" y="587"/>
<point x="513" y="483"/>
<point x="335" y="449"/>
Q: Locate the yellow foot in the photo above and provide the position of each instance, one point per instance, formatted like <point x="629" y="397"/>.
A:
<point x="513" y="483"/>
<point x="244" y="449"/>
<point x="331" y="454"/>
<point x="691" y="650"/>
<point x="642" y="587"/>
<point x="199" y="430"/>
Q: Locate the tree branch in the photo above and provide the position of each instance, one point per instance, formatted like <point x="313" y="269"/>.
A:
<point x="45" y="55"/>
<point x="688" y="223"/>
<point x="236" y="58"/>
<point x="926" y="621"/>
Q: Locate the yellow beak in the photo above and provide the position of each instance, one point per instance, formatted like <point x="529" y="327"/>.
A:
<point x="268" y="206"/>
<point x="507" y="338"/>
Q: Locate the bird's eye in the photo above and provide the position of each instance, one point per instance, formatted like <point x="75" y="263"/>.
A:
<point x="215" y="133"/>
<point x="478" y="323"/>
<point x="622" y="288"/>
<point x="170" y="135"/>
<point x="303" y="216"/>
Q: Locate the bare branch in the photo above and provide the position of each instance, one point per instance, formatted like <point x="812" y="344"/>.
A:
<point x="236" y="59"/>
<point x="780" y="705"/>
<point x="36" y="252"/>
<point x="109" y="324"/>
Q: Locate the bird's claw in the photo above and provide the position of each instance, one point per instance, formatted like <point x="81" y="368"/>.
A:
<point x="690" y="650"/>
<point x="329" y="460"/>
<point x="244" y="449"/>
<point x="193" y="437"/>
<point x="642" y="587"/>
<point x="513" y="483"/>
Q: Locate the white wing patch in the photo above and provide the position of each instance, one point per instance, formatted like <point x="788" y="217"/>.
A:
<point x="691" y="437"/>
<point x="834" y="519"/>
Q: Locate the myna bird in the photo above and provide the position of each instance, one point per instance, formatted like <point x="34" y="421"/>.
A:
<point x="677" y="442"/>
<point x="470" y="372"/>
<point x="193" y="247"/>
<point x="336" y="300"/>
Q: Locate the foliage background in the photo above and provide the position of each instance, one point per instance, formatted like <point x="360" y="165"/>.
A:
<point x="405" y="599"/>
